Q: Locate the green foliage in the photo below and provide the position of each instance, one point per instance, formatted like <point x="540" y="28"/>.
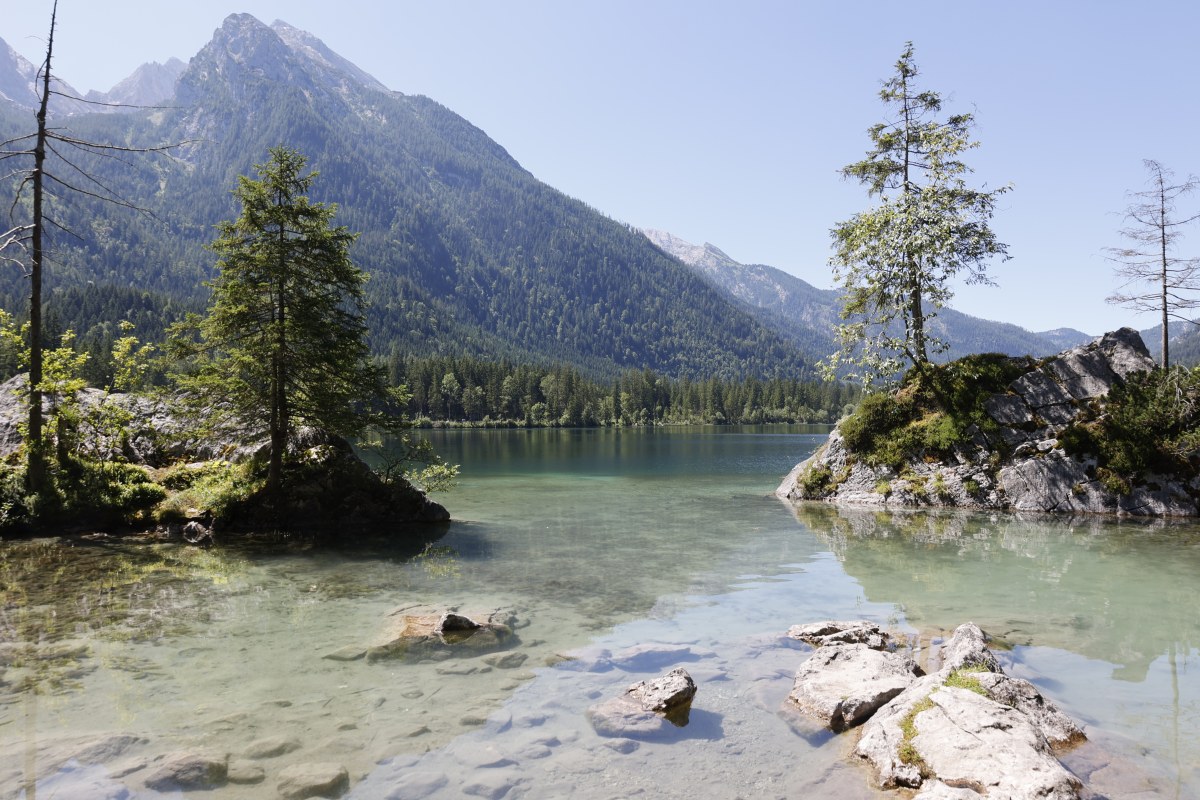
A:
<point x="964" y="678"/>
<point x="907" y="751"/>
<point x="214" y="486"/>
<point x="895" y="262"/>
<point x="932" y="411"/>
<point x="414" y="461"/>
<point x="505" y="394"/>
<point x="284" y="342"/>
<point x="1150" y="424"/>
<point x="816" y="482"/>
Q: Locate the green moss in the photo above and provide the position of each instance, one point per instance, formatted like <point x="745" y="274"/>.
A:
<point x="932" y="412"/>
<point x="907" y="751"/>
<point x="815" y="482"/>
<point x="964" y="678"/>
<point x="972" y="487"/>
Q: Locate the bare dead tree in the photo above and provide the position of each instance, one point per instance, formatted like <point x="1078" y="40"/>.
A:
<point x="24" y="243"/>
<point x="1154" y="228"/>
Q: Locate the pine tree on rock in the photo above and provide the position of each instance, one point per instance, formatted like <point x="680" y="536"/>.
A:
<point x="284" y="340"/>
<point x="895" y="261"/>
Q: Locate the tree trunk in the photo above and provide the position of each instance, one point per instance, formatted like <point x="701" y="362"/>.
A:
<point x="35" y="470"/>
<point x="1165" y="361"/>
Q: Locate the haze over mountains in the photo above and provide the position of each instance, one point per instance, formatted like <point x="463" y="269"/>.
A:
<point x="468" y="252"/>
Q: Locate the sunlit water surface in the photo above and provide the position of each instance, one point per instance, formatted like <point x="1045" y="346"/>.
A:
<point x="622" y="554"/>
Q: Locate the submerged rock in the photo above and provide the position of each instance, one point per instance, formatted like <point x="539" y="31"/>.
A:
<point x="301" y="781"/>
<point x="416" y="632"/>
<point x="189" y="771"/>
<point x="646" y="708"/>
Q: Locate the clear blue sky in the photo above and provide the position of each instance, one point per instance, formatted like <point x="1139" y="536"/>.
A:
<point x="727" y="122"/>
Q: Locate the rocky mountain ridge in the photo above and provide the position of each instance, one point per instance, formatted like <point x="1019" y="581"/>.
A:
<point x="808" y="315"/>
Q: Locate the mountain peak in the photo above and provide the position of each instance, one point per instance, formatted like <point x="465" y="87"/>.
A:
<point x="150" y="84"/>
<point x="303" y="42"/>
<point x="19" y="84"/>
<point x="245" y="54"/>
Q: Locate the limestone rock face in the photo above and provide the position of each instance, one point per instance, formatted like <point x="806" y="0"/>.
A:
<point x="844" y="684"/>
<point x="988" y="733"/>
<point x="1038" y="475"/>
<point x="969" y="740"/>
<point x="819" y="634"/>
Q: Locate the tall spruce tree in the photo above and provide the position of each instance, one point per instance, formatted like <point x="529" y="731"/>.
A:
<point x="895" y="261"/>
<point x="284" y="339"/>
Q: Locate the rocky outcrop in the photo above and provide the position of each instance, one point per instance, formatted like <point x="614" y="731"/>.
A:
<point x="1020" y="464"/>
<point x="327" y="486"/>
<point x="971" y="728"/>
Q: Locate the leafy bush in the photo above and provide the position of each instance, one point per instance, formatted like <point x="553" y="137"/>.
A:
<point x="932" y="410"/>
<point x="214" y="486"/>
<point x="1151" y="423"/>
<point x="816" y="482"/>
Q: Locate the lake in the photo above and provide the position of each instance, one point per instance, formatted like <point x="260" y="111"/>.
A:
<point x="621" y="553"/>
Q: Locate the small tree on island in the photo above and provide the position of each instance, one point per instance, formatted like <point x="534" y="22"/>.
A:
<point x="1153" y="228"/>
<point x="284" y="340"/>
<point x="895" y="262"/>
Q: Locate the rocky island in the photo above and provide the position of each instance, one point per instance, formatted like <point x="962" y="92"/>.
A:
<point x="1095" y="429"/>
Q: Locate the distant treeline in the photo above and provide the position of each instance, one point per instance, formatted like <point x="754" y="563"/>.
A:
<point x="471" y="391"/>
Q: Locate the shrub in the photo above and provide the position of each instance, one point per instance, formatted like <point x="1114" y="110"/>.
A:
<point x="816" y="482"/>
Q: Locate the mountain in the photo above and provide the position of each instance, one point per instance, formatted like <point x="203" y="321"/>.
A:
<point x="468" y="253"/>
<point x="149" y="85"/>
<point x="806" y="315"/>
<point x="18" y="77"/>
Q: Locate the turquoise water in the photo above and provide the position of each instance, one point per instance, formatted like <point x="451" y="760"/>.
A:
<point x="621" y="554"/>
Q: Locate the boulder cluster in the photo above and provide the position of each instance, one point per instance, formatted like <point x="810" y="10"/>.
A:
<point x="1021" y="465"/>
<point x="964" y="731"/>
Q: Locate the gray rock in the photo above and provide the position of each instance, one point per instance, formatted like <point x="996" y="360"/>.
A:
<point x="994" y="738"/>
<point x="647" y="708"/>
<point x="936" y="790"/>
<point x="967" y="647"/>
<point x="1058" y="729"/>
<point x="969" y="740"/>
<point x="1038" y="390"/>
<point x="819" y="634"/>
<point x="1009" y="409"/>
<point x="301" y="781"/>
<point x="416" y="632"/>
<point x="506" y="660"/>
<point x="843" y="685"/>
<point x="188" y="771"/>
<point x="246" y="772"/>
<point x="416" y="784"/>
<point x="665" y="694"/>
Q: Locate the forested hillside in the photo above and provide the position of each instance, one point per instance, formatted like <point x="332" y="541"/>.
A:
<point x="468" y="253"/>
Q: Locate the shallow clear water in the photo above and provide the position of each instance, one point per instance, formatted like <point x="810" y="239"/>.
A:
<point x="622" y="554"/>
